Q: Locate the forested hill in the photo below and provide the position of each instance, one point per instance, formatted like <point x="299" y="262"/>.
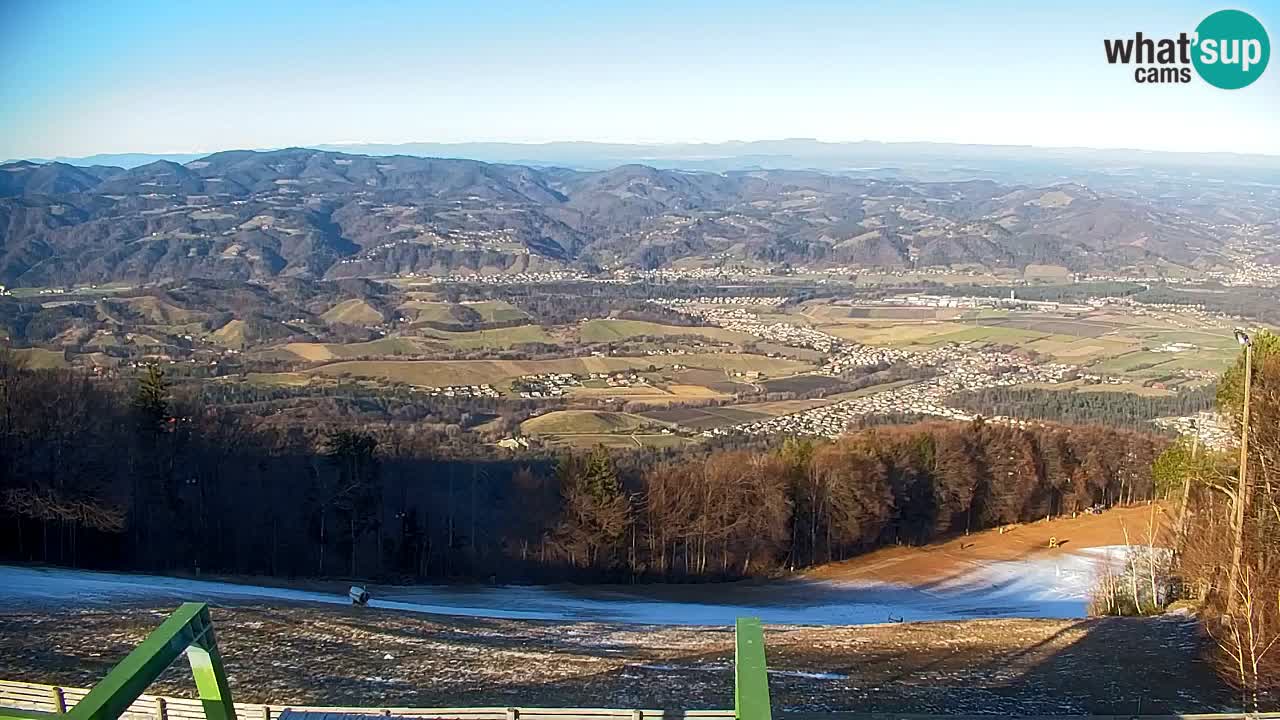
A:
<point x="129" y="477"/>
<point x="309" y="214"/>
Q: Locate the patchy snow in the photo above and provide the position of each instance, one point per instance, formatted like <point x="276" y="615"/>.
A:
<point x="1053" y="585"/>
<point x="809" y="675"/>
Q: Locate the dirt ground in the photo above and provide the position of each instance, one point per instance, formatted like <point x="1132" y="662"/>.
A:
<point x="946" y="559"/>
<point x="337" y="655"/>
<point x="366" y="657"/>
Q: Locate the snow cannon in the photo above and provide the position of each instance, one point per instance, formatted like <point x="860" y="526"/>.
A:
<point x="359" y="596"/>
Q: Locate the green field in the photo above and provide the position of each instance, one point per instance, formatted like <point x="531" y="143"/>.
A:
<point x="443" y="313"/>
<point x="610" y="330"/>
<point x="496" y="311"/>
<point x="40" y="358"/>
<point x="990" y="335"/>
<point x="430" y="311"/>
<point x="497" y="338"/>
<point x="439" y="373"/>
<point x="1153" y="364"/>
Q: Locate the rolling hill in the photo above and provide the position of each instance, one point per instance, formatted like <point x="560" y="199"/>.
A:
<point x="310" y="214"/>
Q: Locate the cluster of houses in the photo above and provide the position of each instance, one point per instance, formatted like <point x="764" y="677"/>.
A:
<point x="1168" y="313"/>
<point x="708" y="273"/>
<point x="744" y="321"/>
<point x="1175" y="347"/>
<point x="554" y="385"/>
<point x="1210" y="427"/>
<point x="620" y="379"/>
<point x="463" y="391"/>
<point x="969" y="302"/>
<point x="1249" y="273"/>
<point x="545" y="385"/>
<point x="894" y="272"/>
<point x="518" y="278"/>
<point x="686" y="305"/>
<point x="962" y="369"/>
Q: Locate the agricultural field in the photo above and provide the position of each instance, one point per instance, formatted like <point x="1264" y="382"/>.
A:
<point x="1111" y="341"/>
<point x="618" y="441"/>
<point x="496" y="311"/>
<point x="803" y="384"/>
<point x="353" y="312"/>
<point x="498" y="338"/>
<point x="320" y="352"/>
<point x="40" y="358"/>
<point x="612" y="330"/>
<point x="439" y="373"/>
<point x="231" y="335"/>
<point x="579" y="422"/>
<point x="466" y="313"/>
<point x="706" y="418"/>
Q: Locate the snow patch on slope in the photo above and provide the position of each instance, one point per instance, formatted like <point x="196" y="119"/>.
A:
<point x="1053" y="585"/>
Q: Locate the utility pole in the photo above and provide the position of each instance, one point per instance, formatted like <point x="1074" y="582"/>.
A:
<point x="1186" y="486"/>
<point x="1242" y="487"/>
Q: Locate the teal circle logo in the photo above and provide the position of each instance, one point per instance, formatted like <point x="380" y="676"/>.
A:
<point x="1232" y="49"/>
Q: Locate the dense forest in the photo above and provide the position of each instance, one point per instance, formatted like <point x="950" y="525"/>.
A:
<point x="1119" y="409"/>
<point x="1260" y="303"/>
<point x="102" y="474"/>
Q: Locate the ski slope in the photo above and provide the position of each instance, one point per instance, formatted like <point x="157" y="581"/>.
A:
<point x="1049" y="586"/>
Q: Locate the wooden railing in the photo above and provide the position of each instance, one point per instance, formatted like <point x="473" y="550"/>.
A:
<point x="56" y="699"/>
<point x="52" y="698"/>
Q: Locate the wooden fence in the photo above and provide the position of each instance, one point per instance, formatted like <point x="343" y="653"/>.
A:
<point x="52" y="698"/>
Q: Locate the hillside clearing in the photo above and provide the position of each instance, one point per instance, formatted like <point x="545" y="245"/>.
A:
<point x="231" y="335"/>
<point x="564" y="422"/>
<point x="354" y="312"/>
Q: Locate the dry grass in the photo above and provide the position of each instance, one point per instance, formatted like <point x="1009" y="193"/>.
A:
<point x="612" y="330"/>
<point x="367" y="657"/>
<point x="436" y="373"/>
<point x="354" y="312"/>
<point x="575" y="422"/>
<point x="231" y="335"/>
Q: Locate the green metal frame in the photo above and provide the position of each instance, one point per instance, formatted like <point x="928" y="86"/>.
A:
<point x="751" y="673"/>
<point x="188" y="630"/>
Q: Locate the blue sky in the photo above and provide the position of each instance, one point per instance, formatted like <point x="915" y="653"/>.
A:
<point x="78" y="78"/>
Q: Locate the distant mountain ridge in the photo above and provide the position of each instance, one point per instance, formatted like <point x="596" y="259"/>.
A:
<point x="305" y="213"/>
<point x="917" y="160"/>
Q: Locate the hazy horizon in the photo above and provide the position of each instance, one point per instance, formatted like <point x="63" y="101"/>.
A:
<point x="414" y="147"/>
<point x="158" y="78"/>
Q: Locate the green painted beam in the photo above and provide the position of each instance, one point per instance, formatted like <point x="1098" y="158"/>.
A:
<point x="211" y="681"/>
<point x="751" y="673"/>
<point x="188" y="630"/>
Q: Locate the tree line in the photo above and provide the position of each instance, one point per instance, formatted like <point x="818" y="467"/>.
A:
<point x="108" y="475"/>
<point x="1121" y="409"/>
